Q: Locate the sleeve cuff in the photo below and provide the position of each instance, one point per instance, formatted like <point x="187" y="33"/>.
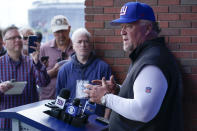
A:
<point x="104" y="99"/>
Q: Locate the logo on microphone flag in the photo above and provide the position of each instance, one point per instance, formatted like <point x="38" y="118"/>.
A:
<point x="60" y="102"/>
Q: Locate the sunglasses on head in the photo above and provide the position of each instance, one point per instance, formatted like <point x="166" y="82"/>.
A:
<point x="25" y="37"/>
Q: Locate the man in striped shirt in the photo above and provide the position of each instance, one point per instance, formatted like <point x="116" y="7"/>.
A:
<point x="14" y="65"/>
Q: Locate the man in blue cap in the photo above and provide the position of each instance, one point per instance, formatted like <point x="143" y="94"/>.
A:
<point x="150" y="97"/>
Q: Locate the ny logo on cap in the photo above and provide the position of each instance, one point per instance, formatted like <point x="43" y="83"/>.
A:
<point x="61" y="22"/>
<point x="123" y="10"/>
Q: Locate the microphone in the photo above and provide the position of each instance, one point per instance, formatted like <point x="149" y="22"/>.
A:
<point x="89" y="108"/>
<point x="73" y="109"/>
<point x="74" y="112"/>
<point x="62" y="98"/>
<point x="57" y="109"/>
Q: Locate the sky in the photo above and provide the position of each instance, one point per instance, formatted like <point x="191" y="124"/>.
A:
<point x="15" y="11"/>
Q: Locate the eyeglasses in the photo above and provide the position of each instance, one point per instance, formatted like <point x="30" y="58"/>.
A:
<point x="14" y="38"/>
<point x="25" y="37"/>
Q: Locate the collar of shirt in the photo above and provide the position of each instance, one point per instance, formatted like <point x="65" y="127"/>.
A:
<point x="68" y="50"/>
<point x="149" y="43"/>
<point x="16" y="63"/>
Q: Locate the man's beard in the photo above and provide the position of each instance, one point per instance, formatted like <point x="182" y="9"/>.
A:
<point x="128" y="48"/>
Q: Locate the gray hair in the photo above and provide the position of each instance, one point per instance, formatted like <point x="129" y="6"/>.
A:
<point x="24" y="30"/>
<point x="80" y="31"/>
<point x="155" y="25"/>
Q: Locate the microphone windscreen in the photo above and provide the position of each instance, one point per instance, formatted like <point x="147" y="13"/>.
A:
<point x="91" y="102"/>
<point x="76" y="102"/>
<point x="64" y="93"/>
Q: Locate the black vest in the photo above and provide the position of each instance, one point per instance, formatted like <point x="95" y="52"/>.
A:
<point x="169" y="117"/>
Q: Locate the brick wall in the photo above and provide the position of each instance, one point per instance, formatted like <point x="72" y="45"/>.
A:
<point x="178" y="20"/>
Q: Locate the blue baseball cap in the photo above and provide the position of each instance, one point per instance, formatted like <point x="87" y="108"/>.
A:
<point x="133" y="11"/>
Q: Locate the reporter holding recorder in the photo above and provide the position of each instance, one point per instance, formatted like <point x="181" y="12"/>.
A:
<point x="15" y="65"/>
<point x="150" y="96"/>
<point x="58" y="50"/>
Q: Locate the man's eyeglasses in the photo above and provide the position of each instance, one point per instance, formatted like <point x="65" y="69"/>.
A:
<point x="14" y="38"/>
<point x="25" y="37"/>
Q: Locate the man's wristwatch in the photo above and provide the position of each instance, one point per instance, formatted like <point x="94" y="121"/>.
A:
<point x="103" y="100"/>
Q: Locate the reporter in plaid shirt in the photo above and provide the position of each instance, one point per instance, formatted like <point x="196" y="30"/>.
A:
<point x="14" y="65"/>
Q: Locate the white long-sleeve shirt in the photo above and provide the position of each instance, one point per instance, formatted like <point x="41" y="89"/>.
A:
<point x="149" y="90"/>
